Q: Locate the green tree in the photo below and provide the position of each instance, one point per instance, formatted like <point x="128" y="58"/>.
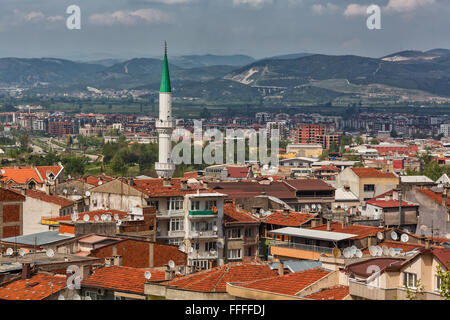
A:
<point x="75" y="166"/>
<point x="374" y="141"/>
<point x="444" y="276"/>
<point x="359" y="140"/>
<point x="118" y="165"/>
<point x="333" y="147"/>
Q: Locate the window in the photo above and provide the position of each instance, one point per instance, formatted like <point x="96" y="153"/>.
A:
<point x="203" y="264"/>
<point x="249" y="232"/>
<point x="91" y="295"/>
<point x="234" y="254"/>
<point x="248" y="252"/>
<point x="195" y="246"/>
<point x="203" y="226"/>
<point x="369" y="187"/>
<point x="195" y="205"/>
<point x="438" y="282"/>
<point x="210" y="245"/>
<point x="175" y="242"/>
<point x="176" y="224"/>
<point x="210" y="204"/>
<point x="234" y="233"/>
<point x="410" y="280"/>
<point x="176" y="204"/>
<point x="154" y="204"/>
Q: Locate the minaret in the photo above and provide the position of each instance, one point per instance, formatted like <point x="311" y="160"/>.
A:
<point x="165" y="124"/>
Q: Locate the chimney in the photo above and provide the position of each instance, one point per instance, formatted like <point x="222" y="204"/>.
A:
<point x="280" y="268"/>
<point x="26" y="271"/>
<point x="109" y="261"/>
<point x="285" y="212"/>
<point x="445" y="195"/>
<point x="328" y="225"/>
<point x="118" y="261"/>
<point x="427" y="243"/>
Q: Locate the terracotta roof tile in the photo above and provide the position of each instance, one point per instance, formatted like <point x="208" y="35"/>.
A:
<point x="124" y="279"/>
<point x="338" y="292"/>
<point x="215" y="280"/>
<point x="436" y="196"/>
<point x="63" y="202"/>
<point x="36" y="288"/>
<point x="360" y="231"/>
<point x="389" y="203"/>
<point x="291" y="219"/>
<point x="443" y="255"/>
<point x="20" y="175"/>
<point x="234" y="215"/>
<point x="10" y="195"/>
<point x="289" y="284"/>
<point x="372" y="173"/>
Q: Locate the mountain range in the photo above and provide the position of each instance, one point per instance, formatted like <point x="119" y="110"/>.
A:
<point x="288" y="78"/>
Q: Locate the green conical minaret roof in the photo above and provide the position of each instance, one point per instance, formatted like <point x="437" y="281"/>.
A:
<point x="165" y="78"/>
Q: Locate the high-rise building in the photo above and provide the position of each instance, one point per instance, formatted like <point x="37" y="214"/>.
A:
<point x="165" y="124"/>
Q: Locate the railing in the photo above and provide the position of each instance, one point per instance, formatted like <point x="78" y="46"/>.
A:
<point x="175" y="233"/>
<point x="202" y="255"/>
<point x="203" y="234"/>
<point x="170" y="213"/>
<point x="300" y="246"/>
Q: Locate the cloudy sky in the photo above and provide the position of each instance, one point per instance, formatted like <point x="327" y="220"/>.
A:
<point x="260" y="28"/>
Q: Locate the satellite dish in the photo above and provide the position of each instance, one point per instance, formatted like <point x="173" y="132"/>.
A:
<point x="116" y="217"/>
<point x="212" y="251"/>
<point x="359" y="254"/>
<point x="9" y="252"/>
<point x="76" y="297"/>
<point x="215" y="228"/>
<point x="379" y="251"/>
<point x="181" y="247"/>
<point x="87" y="298"/>
<point x="108" y="218"/>
<point x="65" y="191"/>
<point x="348" y="253"/>
<point x="394" y="235"/>
<point x="392" y="252"/>
<point x="404" y="237"/>
<point x="219" y="245"/>
<point x="103" y="217"/>
<point x="336" y="252"/>
<point x="61" y="297"/>
<point x="191" y="249"/>
<point x="148" y="275"/>
<point x="74" y="217"/>
<point x="372" y="251"/>
<point x="380" y="236"/>
<point x="119" y="222"/>
<point x="86" y="218"/>
<point x="100" y="182"/>
<point x="385" y="250"/>
<point x="96" y="218"/>
<point x="158" y="229"/>
<point x="171" y="264"/>
<point x="353" y="248"/>
<point x="87" y="193"/>
<point x="21" y="252"/>
<point x="50" y="253"/>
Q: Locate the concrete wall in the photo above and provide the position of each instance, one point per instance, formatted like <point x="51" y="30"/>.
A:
<point x="33" y="211"/>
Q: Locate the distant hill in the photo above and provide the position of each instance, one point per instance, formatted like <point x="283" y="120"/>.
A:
<point x="198" y="61"/>
<point x="289" y="56"/>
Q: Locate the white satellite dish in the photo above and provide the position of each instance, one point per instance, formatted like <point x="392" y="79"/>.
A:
<point x="372" y="251"/>
<point x="319" y="206"/>
<point x="215" y="228"/>
<point x="212" y="251"/>
<point x="61" y="297"/>
<point x="353" y="248"/>
<point x="385" y="250"/>
<point x="108" y="218"/>
<point x="394" y="235"/>
<point x="9" y="252"/>
<point x="181" y="247"/>
<point x="392" y="252"/>
<point x="21" y="252"/>
<point x="87" y="298"/>
<point x="359" y="254"/>
<point x="74" y="217"/>
<point x="380" y="235"/>
<point x="347" y="253"/>
<point x="148" y="275"/>
<point x="65" y="191"/>
<point x="171" y="264"/>
<point x="96" y="218"/>
<point x="404" y="237"/>
<point x="86" y="218"/>
<point x="76" y="297"/>
<point x="191" y="249"/>
<point x="119" y="222"/>
<point x="116" y="217"/>
<point x="379" y="251"/>
<point x="103" y="217"/>
<point x="50" y="253"/>
<point x="100" y="182"/>
<point x="87" y="193"/>
<point x="219" y="245"/>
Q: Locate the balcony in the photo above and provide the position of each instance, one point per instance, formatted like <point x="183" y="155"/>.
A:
<point x="298" y="251"/>
<point x="170" y="214"/>
<point x="165" y="124"/>
<point x="203" y="255"/>
<point x="176" y="234"/>
<point x="203" y="234"/>
<point x="202" y="213"/>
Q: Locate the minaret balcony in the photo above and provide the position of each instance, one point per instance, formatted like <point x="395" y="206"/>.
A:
<point x="165" y="124"/>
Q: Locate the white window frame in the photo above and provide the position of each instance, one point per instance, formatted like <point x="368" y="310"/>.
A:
<point x="408" y="278"/>
<point x="234" y="254"/>
<point x="231" y="233"/>
<point x="177" y="222"/>
<point x="176" y="204"/>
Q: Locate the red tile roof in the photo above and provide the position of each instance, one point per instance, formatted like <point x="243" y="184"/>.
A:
<point x="338" y="292"/>
<point x="62" y="202"/>
<point x="233" y="215"/>
<point x="20" y="175"/>
<point x="155" y="188"/>
<point x="289" y="284"/>
<point x="10" y="195"/>
<point x="327" y="168"/>
<point x="43" y="170"/>
<point x="93" y="180"/>
<point x="124" y="279"/>
<point x="436" y="196"/>
<point x="291" y="219"/>
<point x="443" y="255"/>
<point x="372" y="173"/>
<point x="215" y="280"/>
<point x="36" y="288"/>
<point x="238" y="172"/>
<point x="389" y="203"/>
<point x="92" y="214"/>
<point x="398" y="244"/>
<point x="360" y="231"/>
<point x="363" y="268"/>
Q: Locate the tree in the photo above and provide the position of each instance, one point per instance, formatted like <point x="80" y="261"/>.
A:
<point x="333" y="147"/>
<point x="24" y="141"/>
<point x="444" y="276"/>
<point x="414" y="294"/>
<point x="374" y="141"/>
<point x="118" y="165"/>
<point x="75" y="166"/>
<point x="359" y="140"/>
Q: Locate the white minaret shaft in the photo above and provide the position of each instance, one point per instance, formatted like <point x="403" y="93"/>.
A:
<point x="165" y="124"/>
